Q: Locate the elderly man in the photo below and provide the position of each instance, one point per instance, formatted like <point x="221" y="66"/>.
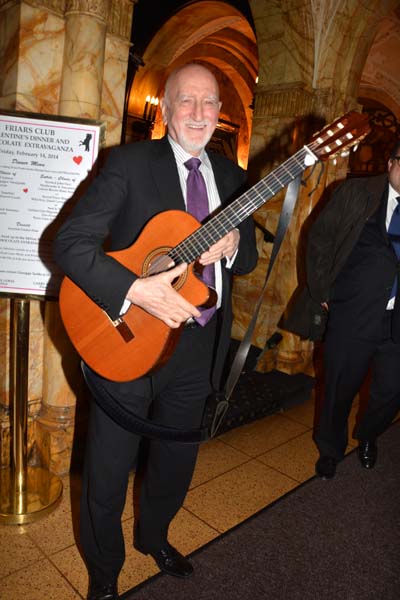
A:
<point x="139" y="181"/>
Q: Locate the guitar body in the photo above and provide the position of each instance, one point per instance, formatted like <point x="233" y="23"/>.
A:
<point x="138" y="343"/>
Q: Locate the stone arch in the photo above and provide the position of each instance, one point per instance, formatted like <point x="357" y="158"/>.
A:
<point x="324" y="47"/>
<point x="379" y="79"/>
<point x="349" y="34"/>
<point x="285" y="37"/>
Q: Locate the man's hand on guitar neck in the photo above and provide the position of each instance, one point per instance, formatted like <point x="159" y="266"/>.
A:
<point x="226" y="247"/>
<point x="156" y="295"/>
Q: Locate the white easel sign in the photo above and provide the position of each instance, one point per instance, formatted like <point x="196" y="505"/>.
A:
<point x="42" y="163"/>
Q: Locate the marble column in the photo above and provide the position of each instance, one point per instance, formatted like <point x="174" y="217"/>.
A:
<point x="82" y="74"/>
<point x="116" y="58"/>
<point x="31" y="52"/>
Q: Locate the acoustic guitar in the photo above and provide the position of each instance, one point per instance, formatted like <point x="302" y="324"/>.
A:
<point x="137" y="343"/>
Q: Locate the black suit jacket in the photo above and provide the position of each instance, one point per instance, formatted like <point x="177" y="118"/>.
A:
<point x="331" y="241"/>
<point x="361" y="291"/>
<point x="138" y="181"/>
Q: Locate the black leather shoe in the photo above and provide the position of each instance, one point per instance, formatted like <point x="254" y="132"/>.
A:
<point x="325" y="467"/>
<point x="367" y="453"/>
<point x="170" y="561"/>
<point x="98" y="591"/>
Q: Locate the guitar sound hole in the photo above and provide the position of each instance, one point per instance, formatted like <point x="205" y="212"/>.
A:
<point x="157" y="264"/>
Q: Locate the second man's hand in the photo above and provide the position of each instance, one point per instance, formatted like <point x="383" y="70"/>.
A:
<point x="157" y="296"/>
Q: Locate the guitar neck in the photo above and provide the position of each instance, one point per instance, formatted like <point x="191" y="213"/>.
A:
<point x="213" y="230"/>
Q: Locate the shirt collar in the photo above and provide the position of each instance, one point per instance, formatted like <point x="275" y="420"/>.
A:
<point x="181" y="156"/>
<point x="392" y="193"/>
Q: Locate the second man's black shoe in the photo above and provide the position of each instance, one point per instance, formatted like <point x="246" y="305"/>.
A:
<point x="170" y="561"/>
<point x="367" y="453"/>
<point x="98" y="591"/>
<point x="325" y="467"/>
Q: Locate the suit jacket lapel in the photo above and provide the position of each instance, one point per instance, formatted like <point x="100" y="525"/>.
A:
<point x="222" y="180"/>
<point x="377" y="201"/>
<point x="382" y="217"/>
<point x="166" y="176"/>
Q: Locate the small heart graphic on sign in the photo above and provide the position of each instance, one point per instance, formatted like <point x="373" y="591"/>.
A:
<point x="25" y="190"/>
<point x="77" y="159"/>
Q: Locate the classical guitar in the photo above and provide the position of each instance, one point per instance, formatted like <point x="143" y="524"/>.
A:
<point x="138" y="343"/>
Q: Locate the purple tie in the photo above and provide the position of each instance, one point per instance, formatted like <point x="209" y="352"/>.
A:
<point x="197" y="205"/>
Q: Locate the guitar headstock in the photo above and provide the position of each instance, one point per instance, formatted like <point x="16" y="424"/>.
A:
<point x="336" y="138"/>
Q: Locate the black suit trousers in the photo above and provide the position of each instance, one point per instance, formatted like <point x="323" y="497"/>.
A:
<point x="346" y="364"/>
<point x="174" y="396"/>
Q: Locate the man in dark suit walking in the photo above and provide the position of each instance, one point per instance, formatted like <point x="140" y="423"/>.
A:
<point x="139" y="181"/>
<point x="352" y="274"/>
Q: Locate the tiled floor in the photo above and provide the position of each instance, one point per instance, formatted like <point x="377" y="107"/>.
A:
<point x="237" y="474"/>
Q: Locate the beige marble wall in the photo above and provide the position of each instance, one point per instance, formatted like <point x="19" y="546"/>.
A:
<point x="9" y="31"/>
<point x="379" y="79"/>
<point x="31" y="53"/>
<point x="82" y="74"/>
<point x="113" y="89"/>
<point x="116" y="57"/>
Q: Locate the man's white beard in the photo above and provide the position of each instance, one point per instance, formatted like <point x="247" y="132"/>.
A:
<point x="195" y="146"/>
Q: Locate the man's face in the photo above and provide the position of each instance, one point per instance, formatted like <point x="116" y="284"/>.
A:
<point x="394" y="172"/>
<point x="191" y="108"/>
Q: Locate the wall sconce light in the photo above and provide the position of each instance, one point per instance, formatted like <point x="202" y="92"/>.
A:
<point x="251" y="106"/>
<point x="150" y="108"/>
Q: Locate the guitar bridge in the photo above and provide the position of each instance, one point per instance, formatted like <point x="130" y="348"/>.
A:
<point x="123" y="329"/>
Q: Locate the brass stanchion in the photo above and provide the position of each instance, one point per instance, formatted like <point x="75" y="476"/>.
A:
<point x="26" y="493"/>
